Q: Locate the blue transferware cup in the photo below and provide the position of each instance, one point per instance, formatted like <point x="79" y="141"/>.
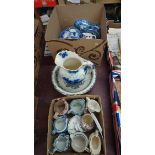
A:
<point x="60" y="124"/>
<point x="61" y="144"/>
<point x="71" y="33"/>
<point x="77" y="107"/>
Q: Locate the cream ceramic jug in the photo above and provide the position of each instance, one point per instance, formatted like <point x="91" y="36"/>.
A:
<point x="73" y="68"/>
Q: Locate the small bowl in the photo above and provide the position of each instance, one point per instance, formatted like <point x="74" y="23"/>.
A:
<point x="77" y="107"/>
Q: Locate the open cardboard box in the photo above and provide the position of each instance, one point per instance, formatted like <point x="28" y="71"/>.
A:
<point x="64" y="16"/>
<point x="100" y="117"/>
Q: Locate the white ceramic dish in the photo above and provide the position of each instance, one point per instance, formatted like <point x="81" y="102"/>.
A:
<point x="89" y="82"/>
<point x="74" y="125"/>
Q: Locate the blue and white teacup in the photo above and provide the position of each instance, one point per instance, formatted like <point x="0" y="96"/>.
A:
<point x="60" y="124"/>
<point x="71" y="33"/>
<point x="77" y="107"/>
<point x="61" y="143"/>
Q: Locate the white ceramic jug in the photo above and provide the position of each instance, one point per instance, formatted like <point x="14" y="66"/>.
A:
<point x="73" y="68"/>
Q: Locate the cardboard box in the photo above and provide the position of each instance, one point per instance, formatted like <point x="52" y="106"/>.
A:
<point x="114" y="42"/>
<point x="100" y="116"/>
<point x="64" y="16"/>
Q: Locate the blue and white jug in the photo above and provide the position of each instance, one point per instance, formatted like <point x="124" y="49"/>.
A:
<point x="73" y="68"/>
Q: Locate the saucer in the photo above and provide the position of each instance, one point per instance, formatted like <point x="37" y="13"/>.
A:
<point x="88" y="83"/>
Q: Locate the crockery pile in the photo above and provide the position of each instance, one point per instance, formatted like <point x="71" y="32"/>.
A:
<point x="76" y="127"/>
<point x="82" y="29"/>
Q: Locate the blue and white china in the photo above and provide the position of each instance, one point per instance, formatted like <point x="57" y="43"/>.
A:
<point x="60" y="124"/>
<point x="77" y="107"/>
<point x="87" y="27"/>
<point x="73" y="69"/>
<point x="74" y="124"/>
<point x="88" y="36"/>
<point x="71" y="33"/>
<point x="82" y="24"/>
<point x="62" y="88"/>
<point x="61" y="143"/>
<point x="79" y="142"/>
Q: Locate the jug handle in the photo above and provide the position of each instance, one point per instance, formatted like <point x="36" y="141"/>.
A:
<point x="87" y="150"/>
<point x="89" y="66"/>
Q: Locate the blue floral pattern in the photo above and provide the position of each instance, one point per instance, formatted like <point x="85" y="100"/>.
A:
<point x="63" y="54"/>
<point x="74" y="82"/>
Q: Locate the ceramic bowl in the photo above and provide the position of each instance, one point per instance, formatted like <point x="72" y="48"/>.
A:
<point x="61" y="143"/>
<point x="87" y="122"/>
<point x="74" y="125"/>
<point x="77" y="107"/>
<point x="60" y="107"/>
<point x="71" y="33"/>
<point x="60" y="124"/>
<point x="79" y="142"/>
<point x="86" y="86"/>
<point x="95" y="143"/>
<point x="92" y="105"/>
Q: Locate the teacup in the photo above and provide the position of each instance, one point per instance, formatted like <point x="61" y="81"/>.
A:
<point x="60" y="124"/>
<point x="87" y="122"/>
<point x="95" y="143"/>
<point x="79" y="142"/>
<point x="92" y="105"/>
<point x="61" y="143"/>
<point x="60" y="107"/>
<point x="88" y="36"/>
<point x="77" y="107"/>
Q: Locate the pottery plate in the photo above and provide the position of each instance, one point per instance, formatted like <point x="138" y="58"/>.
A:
<point x="84" y="88"/>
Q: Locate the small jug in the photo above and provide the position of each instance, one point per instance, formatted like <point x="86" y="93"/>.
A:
<point x="95" y="143"/>
<point x="60" y="107"/>
<point x="77" y="107"/>
<point x="79" y="142"/>
<point x="73" y="68"/>
<point x="87" y="122"/>
<point x="61" y="144"/>
<point x="60" y="124"/>
<point x="92" y="105"/>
